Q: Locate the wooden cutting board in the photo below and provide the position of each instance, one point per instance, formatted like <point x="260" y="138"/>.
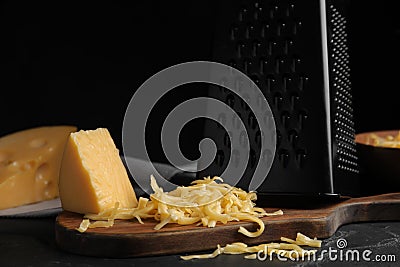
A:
<point x="131" y="239"/>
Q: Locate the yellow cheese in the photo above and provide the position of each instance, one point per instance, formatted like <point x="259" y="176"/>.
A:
<point x="92" y="176"/>
<point x="30" y="164"/>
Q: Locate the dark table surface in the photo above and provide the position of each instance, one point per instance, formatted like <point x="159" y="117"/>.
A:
<point x="31" y="242"/>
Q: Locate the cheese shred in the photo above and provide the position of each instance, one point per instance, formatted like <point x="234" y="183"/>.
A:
<point x="384" y="141"/>
<point x="292" y="249"/>
<point x="206" y="202"/>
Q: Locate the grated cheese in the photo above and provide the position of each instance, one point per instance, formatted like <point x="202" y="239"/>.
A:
<point x="206" y="202"/>
<point x="291" y="250"/>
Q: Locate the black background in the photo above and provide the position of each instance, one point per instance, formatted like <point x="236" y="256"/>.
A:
<point x="65" y="62"/>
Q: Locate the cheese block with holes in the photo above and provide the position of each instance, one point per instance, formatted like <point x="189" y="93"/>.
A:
<point x="92" y="176"/>
<point x="30" y="164"/>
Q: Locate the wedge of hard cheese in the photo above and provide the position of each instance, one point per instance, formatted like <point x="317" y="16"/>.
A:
<point x="30" y="163"/>
<point x="92" y="176"/>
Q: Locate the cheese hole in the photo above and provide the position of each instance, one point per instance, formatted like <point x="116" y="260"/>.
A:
<point x="41" y="172"/>
<point x="38" y="143"/>
<point x="13" y="165"/>
<point x="28" y="165"/>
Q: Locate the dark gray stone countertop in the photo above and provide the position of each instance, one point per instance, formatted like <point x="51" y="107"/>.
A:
<point x="31" y="242"/>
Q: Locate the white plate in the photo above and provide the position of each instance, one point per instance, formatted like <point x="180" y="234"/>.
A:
<point x="53" y="207"/>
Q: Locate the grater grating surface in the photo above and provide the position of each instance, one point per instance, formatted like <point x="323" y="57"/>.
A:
<point x="279" y="45"/>
<point x="340" y="71"/>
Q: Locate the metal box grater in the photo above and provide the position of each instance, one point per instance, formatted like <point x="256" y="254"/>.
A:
<point x="297" y="53"/>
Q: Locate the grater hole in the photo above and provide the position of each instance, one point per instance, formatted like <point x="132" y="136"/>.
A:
<point x="277" y="100"/>
<point x="278" y="65"/>
<point x="256" y="47"/>
<point x="243" y="13"/>
<point x="286" y="82"/>
<point x="296" y="27"/>
<point x="278" y="137"/>
<point x="249" y="32"/>
<point x="273" y="12"/>
<point x="271" y="44"/>
<point x="247" y="65"/>
<point x="281" y="66"/>
<point x="294" y="100"/>
<point x="280" y="28"/>
<point x="234" y="32"/>
<point x="293" y="137"/>
<point x="285" y="117"/>
<point x="288" y="46"/>
<point x="301" y="156"/>
<point x="302" y="117"/>
<point x="295" y="63"/>
<point x="303" y="80"/>
<point x="265" y="30"/>
<point x="240" y="49"/>
<point x="283" y="156"/>
<point x="289" y="10"/>
<point x="271" y="83"/>
<point x="257" y="14"/>
<point x="263" y="65"/>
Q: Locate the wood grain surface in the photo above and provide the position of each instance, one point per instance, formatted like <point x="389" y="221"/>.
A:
<point x="132" y="239"/>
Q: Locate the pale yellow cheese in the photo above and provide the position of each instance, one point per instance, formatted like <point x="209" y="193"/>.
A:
<point x="92" y="176"/>
<point x="30" y="164"/>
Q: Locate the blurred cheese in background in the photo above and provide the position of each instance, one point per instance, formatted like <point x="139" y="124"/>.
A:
<point x="30" y="163"/>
